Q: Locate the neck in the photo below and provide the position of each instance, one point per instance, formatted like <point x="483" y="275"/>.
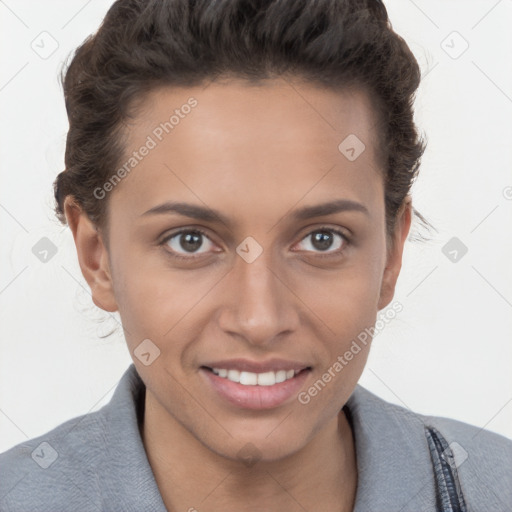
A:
<point x="190" y="476"/>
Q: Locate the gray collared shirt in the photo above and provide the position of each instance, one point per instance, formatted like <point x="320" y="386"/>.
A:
<point x="405" y="462"/>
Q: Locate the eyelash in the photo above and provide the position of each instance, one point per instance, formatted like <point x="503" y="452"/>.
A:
<point x="346" y="242"/>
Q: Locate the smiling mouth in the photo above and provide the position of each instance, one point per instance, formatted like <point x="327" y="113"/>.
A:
<point x="245" y="378"/>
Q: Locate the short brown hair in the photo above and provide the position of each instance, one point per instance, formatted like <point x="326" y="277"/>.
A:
<point x="144" y="44"/>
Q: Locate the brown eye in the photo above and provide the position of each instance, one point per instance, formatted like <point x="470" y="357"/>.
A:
<point x="325" y="240"/>
<point x="187" y="241"/>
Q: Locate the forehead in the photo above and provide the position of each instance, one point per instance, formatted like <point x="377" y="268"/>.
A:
<point x="242" y="109"/>
<point x="241" y="143"/>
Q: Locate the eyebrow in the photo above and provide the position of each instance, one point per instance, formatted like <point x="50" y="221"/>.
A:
<point x="210" y="215"/>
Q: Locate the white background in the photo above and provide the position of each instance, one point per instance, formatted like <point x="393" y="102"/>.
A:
<point x="449" y="351"/>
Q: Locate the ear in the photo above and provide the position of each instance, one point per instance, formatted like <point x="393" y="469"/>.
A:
<point x="394" y="256"/>
<point x="92" y="255"/>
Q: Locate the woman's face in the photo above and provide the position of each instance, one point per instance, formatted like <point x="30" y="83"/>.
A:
<point x="274" y="279"/>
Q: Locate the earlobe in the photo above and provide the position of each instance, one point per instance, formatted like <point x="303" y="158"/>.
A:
<point x="394" y="258"/>
<point x="92" y="255"/>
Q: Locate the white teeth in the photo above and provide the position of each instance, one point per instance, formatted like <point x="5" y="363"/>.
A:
<point x="266" y="379"/>
<point x="233" y="375"/>
<point x="248" y="379"/>
<point x="281" y="376"/>
<point x="253" y="379"/>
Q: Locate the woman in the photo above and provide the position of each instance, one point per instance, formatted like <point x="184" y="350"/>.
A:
<point x="237" y="184"/>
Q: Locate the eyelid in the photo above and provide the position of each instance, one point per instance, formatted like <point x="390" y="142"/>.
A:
<point x="346" y="233"/>
<point x="179" y="231"/>
<point x="343" y="233"/>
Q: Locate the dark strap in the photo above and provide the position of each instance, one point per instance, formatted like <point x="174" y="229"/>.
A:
<point x="448" y="489"/>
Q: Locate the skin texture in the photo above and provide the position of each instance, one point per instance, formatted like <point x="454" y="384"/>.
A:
<point x="256" y="154"/>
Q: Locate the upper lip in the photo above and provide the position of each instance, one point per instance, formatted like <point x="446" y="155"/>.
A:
<point x="246" y="365"/>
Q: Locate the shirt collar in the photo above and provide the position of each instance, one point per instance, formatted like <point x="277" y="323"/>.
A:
<point x="393" y="460"/>
<point x="126" y="455"/>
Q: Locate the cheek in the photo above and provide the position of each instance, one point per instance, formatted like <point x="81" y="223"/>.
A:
<point x="155" y="301"/>
<point x="349" y="309"/>
<point x="357" y="298"/>
<point x="348" y="306"/>
<point x="347" y="300"/>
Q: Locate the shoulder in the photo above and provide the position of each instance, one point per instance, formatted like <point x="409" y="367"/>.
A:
<point x="93" y="462"/>
<point x="61" y="460"/>
<point x="482" y="443"/>
<point x="482" y="459"/>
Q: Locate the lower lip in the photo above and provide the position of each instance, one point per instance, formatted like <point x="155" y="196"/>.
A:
<point x="255" y="397"/>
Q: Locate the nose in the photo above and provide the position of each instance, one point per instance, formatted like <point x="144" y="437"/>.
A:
<point x="260" y="305"/>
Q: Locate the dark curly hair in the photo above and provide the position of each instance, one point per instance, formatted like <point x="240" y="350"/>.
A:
<point x="145" y="44"/>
